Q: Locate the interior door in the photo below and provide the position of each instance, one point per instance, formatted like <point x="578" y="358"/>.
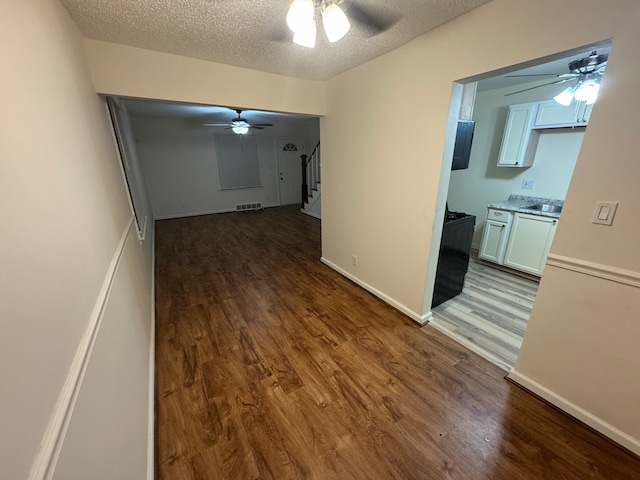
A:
<point x="290" y="170"/>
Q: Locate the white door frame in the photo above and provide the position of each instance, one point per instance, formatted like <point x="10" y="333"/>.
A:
<point x="300" y="143"/>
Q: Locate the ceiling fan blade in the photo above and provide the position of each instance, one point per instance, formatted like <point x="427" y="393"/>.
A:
<point x="215" y="124"/>
<point x="262" y="124"/>
<point x="559" y="75"/>
<point x="374" y="23"/>
<point x="257" y="128"/>
<point x="538" y="86"/>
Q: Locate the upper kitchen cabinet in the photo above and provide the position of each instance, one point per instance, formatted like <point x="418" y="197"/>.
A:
<point x="551" y="114"/>
<point x="524" y="123"/>
<point x="518" y="144"/>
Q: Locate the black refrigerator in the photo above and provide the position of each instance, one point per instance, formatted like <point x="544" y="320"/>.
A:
<point x="453" y="261"/>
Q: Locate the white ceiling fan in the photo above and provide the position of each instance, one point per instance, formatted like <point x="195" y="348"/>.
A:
<point x="239" y="125"/>
<point x="335" y="15"/>
<point x="585" y="72"/>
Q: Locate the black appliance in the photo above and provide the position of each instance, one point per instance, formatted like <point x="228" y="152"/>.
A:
<point x="462" y="148"/>
<point x="453" y="262"/>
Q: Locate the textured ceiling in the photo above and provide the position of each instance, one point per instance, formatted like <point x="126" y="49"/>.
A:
<point x="253" y="33"/>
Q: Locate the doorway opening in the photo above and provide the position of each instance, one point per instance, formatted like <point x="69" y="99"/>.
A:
<point x="289" y="151"/>
<point x="525" y="147"/>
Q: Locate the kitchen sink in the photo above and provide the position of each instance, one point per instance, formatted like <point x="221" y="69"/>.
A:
<point x="545" y="207"/>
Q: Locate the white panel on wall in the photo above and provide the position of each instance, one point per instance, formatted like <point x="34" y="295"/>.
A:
<point x="108" y="430"/>
<point x="238" y="163"/>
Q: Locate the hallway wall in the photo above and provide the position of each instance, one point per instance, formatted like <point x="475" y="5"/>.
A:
<point x="67" y="277"/>
<point x="394" y="234"/>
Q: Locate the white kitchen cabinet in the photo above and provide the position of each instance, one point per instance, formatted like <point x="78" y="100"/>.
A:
<point x="529" y="242"/>
<point x="519" y="140"/>
<point x="494" y="240"/>
<point x="551" y="114"/>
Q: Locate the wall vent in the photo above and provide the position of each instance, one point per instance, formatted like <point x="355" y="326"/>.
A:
<point x="248" y="206"/>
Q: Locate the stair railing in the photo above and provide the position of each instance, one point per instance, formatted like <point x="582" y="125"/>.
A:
<point x="310" y="173"/>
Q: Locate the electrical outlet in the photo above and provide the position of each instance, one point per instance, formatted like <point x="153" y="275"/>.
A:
<point x="354" y="260"/>
<point x="527" y="184"/>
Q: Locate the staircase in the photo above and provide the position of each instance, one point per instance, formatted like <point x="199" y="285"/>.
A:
<point x="311" y="204"/>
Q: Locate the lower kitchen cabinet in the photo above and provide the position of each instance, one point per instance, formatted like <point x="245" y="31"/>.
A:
<point x="529" y="242"/>
<point x="494" y="239"/>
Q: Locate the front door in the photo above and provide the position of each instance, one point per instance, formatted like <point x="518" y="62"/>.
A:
<point x="290" y="170"/>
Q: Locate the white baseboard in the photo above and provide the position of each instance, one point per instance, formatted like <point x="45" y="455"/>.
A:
<point x="204" y="212"/>
<point x="47" y="457"/>
<point x="598" y="424"/>
<point x="421" y="319"/>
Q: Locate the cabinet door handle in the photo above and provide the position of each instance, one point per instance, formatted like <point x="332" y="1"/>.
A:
<point x="555" y="221"/>
<point x="501" y="226"/>
<point x="497" y="214"/>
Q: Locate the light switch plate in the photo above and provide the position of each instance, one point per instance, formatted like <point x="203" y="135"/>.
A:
<point x="604" y="213"/>
<point x="527" y="184"/>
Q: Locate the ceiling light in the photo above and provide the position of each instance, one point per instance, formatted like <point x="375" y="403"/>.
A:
<point x="565" y="97"/>
<point x="587" y="91"/>
<point x="306" y="36"/>
<point x="591" y="100"/>
<point x="240" y="129"/>
<point x="300" y="14"/>
<point x="335" y="22"/>
<point x="301" y="19"/>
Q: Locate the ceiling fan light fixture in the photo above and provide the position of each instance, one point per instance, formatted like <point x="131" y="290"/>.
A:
<point x="335" y="22"/>
<point x="565" y="97"/>
<point x="306" y="36"/>
<point x="592" y="100"/>
<point x="300" y="15"/>
<point x="587" y="91"/>
<point x="240" y="129"/>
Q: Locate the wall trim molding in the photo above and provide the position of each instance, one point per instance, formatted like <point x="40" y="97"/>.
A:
<point x="205" y="212"/>
<point x="151" y="452"/>
<point x="47" y="457"/>
<point x="606" y="272"/>
<point x="589" y="419"/>
<point x="382" y="296"/>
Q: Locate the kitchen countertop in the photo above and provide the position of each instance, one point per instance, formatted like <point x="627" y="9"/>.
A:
<point x="517" y="203"/>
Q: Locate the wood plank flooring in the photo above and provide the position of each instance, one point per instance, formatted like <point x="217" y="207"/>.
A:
<point x="490" y="315"/>
<point x="270" y="365"/>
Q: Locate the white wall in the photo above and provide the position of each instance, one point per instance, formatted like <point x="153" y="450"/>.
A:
<point x="472" y="189"/>
<point x="108" y="434"/>
<point x="180" y="166"/>
<point x="132" y="168"/>
<point x="133" y="72"/>
<point x="65" y="211"/>
<point x="392" y="233"/>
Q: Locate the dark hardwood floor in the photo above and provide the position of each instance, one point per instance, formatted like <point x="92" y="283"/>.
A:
<point x="270" y="365"/>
